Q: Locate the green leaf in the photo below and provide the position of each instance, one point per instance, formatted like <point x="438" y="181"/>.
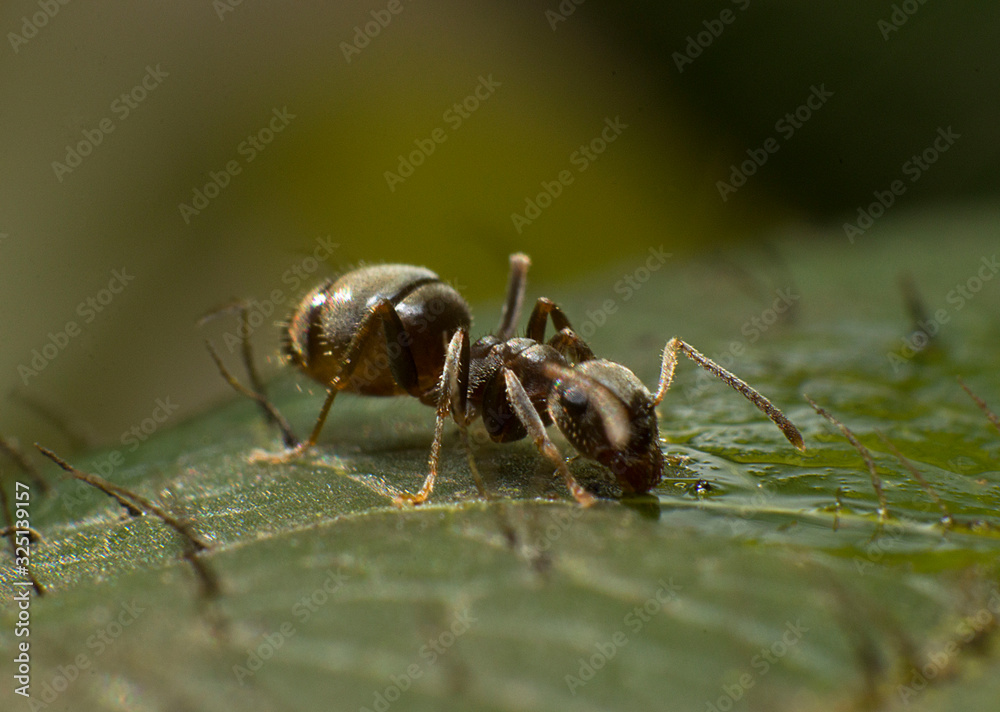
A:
<point x="776" y="586"/>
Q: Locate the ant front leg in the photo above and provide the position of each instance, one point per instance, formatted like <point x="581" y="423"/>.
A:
<point x="544" y="308"/>
<point x="401" y="364"/>
<point x="568" y="343"/>
<point x="528" y="416"/>
<point x="675" y="345"/>
<point x="453" y="390"/>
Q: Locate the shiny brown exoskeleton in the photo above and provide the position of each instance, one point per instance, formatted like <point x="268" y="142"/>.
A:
<point x="397" y="329"/>
<point x="418" y="314"/>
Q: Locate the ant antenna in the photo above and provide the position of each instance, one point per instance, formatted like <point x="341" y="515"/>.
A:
<point x="79" y="437"/>
<point x="735" y="382"/>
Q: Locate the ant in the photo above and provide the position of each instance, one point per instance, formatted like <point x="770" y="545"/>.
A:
<point x="410" y="332"/>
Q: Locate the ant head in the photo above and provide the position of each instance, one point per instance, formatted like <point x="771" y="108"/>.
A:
<point x="607" y="414"/>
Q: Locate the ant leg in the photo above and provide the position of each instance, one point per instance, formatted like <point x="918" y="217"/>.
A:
<point x="566" y="341"/>
<point x="401" y="362"/>
<point x="135" y="504"/>
<point x="78" y="434"/>
<point x="516" y="283"/>
<point x="544" y="308"/>
<point x="452" y="398"/>
<point x="11" y="450"/>
<point x="528" y="416"/>
<point x="257" y="392"/>
<point x="403" y="368"/>
<point x="272" y="413"/>
<point x="667" y="375"/>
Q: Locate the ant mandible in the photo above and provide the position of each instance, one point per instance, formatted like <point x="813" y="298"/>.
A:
<point x="397" y="329"/>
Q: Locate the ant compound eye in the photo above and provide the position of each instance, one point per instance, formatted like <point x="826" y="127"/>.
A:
<point x="575" y="399"/>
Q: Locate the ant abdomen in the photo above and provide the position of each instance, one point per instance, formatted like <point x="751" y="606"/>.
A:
<point x="429" y="312"/>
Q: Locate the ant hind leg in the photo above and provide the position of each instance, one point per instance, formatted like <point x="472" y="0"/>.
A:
<point x="401" y="364"/>
<point x="271" y="413"/>
<point x="257" y="392"/>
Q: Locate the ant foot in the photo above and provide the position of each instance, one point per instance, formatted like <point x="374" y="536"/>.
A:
<point x="585" y="498"/>
<point x="278" y="458"/>
<point x="402" y="500"/>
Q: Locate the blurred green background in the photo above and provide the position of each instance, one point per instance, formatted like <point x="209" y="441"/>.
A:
<point x="216" y="73"/>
